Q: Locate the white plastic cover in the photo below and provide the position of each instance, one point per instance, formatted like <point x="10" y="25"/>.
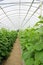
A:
<point x="16" y="11"/>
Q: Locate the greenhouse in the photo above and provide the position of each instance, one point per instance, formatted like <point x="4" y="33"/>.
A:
<point x="21" y="32"/>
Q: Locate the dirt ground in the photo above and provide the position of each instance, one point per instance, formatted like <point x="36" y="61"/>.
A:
<point x="15" y="57"/>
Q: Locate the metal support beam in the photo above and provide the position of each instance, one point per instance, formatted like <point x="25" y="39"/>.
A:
<point x="17" y="3"/>
<point x="31" y="15"/>
<point x="27" y="13"/>
<point x="7" y="16"/>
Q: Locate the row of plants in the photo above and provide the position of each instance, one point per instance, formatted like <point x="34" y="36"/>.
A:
<point x="31" y="41"/>
<point x="7" y="39"/>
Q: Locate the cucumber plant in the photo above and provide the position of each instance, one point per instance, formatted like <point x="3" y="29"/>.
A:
<point x="31" y="41"/>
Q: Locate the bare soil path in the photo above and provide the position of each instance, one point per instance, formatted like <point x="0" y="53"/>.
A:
<point x="15" y="56"/>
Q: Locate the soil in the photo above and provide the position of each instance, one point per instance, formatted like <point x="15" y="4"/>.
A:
<point x="15" y="56"/>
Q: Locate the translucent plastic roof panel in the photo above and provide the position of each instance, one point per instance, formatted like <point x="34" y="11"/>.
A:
<point x="19" y="14"/>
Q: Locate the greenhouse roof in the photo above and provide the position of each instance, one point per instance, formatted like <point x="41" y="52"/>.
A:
<point x="20" y="14"/>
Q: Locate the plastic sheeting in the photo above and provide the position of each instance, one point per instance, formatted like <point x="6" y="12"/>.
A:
<point x="16" y="11"/>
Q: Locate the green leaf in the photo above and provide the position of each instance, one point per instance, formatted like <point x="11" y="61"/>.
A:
<point x="39" y="56"/>
<point x="39" y="46"/>
<point x="29" y="61"/>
